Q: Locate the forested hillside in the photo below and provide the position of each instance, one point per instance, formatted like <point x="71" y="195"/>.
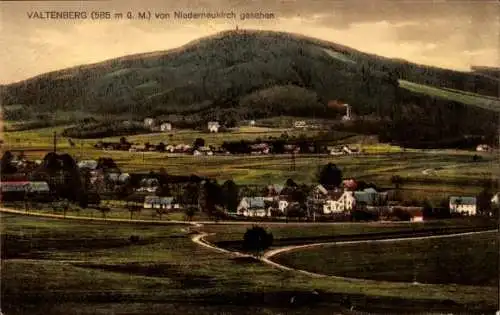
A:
<point x="238" y="75"/>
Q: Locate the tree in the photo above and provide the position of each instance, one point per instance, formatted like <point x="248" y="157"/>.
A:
<point x="123" y="140"/>
<point x="257" y="239"/>
<point x="427" y="210"/>
<point x="190" y="194"/>
<point x="198" y="142"/>
<point x="330" y="176"/>
<point x="484" y="201"/>
<point x="133" y="208"/>
<point x="230" y="193"/>
<point x="211" y="196"/>
<point x="190" y="212"/>
<point x="160" y="212"/>
<point x="161" y="147"/>
<point x="104" y="211"/>
<point x="163" y="191"/>
<point x="297" y="211"/>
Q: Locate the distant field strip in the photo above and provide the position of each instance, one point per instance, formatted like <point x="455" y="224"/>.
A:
<point x="338" y="56"/>
<point x="486" y="102"/>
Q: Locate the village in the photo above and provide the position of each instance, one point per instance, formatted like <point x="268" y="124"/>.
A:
<point x="285" y="144"/>
<point x="101" y="185"/>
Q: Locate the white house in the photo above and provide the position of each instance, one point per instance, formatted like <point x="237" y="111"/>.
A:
<point x="300" y="124"/>
<point x="319" y="192"/>
<point x="88" y="164"/>
<point x="348" y="112"/>
<point x="253" y="207"/>
<point x="337" y="204"/>
<point x="282" y="205"/>
<point x="203" y="151"/>
<point x="213" y="126"/>
<point x="155" y="202"/>
<point x="483" y="148"/>
<point x="464" y="205"/>
<point x="166" y="126"/>
<point x="495" y="200"/>
<point x="149" y="122"/>
<point x="416" y="216"/>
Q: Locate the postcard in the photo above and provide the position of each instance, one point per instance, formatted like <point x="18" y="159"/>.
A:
<point x="250" y="157"/>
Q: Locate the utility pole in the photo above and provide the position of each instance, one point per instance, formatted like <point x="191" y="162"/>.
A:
<point x="55" y="142"/>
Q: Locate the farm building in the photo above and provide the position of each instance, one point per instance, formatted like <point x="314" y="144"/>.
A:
<point x="155" y="202"/>
<point x="149" y="122"/>
<point x="496" y="199"/>
<point x="213" y="126"/>
<point x="166" y="126"/>
<point x="299" y="124"/>
<point x="18" y="190"/>
<point x="464" y="205"/>
<point x="88" y="164"/>
<point x="484" y="148"/>
<point x="339" y="202"/>
<point x="252" y="207"/>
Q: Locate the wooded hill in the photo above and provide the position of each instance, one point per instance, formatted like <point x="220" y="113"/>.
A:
<point x="236" y="75"/>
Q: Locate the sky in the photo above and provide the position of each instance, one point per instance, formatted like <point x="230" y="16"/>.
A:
<point x="449" y="34"/>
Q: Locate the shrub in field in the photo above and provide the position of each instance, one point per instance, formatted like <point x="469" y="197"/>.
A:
<point x="257" y="239"/>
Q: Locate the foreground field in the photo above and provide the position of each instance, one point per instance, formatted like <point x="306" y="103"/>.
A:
<point x="293" y="233"/>
<point x="64" y="267"/>
<point x="472" y="260"/>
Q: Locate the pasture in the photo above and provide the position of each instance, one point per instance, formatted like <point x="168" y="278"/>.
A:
<point x="462" y="260"/>
<point x="486" y="102"/>
<point x="63" y="266"/>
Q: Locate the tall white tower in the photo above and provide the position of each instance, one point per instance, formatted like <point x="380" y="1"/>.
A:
<point x="348" y="113"/>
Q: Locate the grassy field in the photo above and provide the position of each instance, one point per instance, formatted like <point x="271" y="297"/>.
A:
<point x="467" y="260"/>
<point x="42" y="138"/>
<point x="468" y="98"/>
<point x="287" y="231"/>
<point x="64" y="267"/>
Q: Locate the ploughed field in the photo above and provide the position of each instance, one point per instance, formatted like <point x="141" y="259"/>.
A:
<point x="466" y="260"/>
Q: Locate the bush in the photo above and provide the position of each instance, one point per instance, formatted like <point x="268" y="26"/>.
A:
<point x="257" y="239"/>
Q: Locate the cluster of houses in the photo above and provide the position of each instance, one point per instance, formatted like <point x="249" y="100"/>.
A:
<point x="278" y="200"/>
<point x="254" y="148"/>
<point x="322" y="201"/>
<point x="153" y="124"/>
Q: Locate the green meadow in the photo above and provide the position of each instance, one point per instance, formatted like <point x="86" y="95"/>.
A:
<point x="56" y="266"/>
<point x="465" y="260"/>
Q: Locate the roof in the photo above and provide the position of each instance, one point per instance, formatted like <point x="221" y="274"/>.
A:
<point x="463" y="200"/>
<point x="363" y="196"/>
<point x="321" y="189"/>
<point x="276" y="187"/>
<point x="158" y="200"/>
<point x="90" y="164"/>
<point x="335" y="195"/>
<point x="24" y="185"/>
<point x="255" y="202"/>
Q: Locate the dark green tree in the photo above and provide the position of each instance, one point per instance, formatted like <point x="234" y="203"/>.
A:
<point x="330" y="176"/>
<point x="256" y="240"/>
<point x="6" y="163"/>
<point x="198" y="142"/>
<point x="230" y="195"/>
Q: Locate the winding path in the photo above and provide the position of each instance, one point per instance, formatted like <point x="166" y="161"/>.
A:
<point x="266" y="258"/>
<point x="199" y="238"/>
